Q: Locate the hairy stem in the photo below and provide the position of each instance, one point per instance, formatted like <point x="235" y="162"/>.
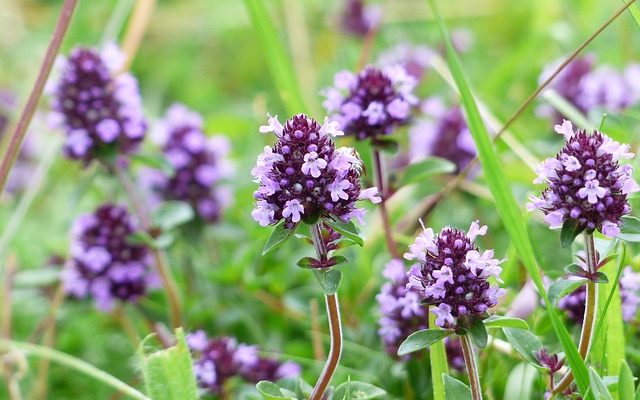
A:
<point x="159" y="256"/>
<point x="591" y="306"/>
<point x="472" y="367"/>
<point x="335" y="325"/>
<point x="380" y="182"/>
<point x="18" y="135"/>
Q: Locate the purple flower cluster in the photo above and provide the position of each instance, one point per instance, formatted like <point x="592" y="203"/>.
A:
<point x="199" y="164"/>
<point x="574" y="303"/>
<point x="400" y="307"/>
<point x="359" y="19"/>
<point x="98" y="106"/>
<point x="103" y="264"/>
<point x="586" y="183"/>
<point x="451" y="274"/>
<point x="588" y="89"/>
<point x="443" y="133"/>
<point x="372" y="103"/>
<point x="304" y="177"/>
<point x="218" y="359"/>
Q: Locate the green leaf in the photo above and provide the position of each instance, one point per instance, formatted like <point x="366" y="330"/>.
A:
<point x="525" y="343"/>
<point x="306" y="262"/>
<point x="478" y="333"/>
<point x="575" y="269"/>
<point x="419" y="171"/>
<point x="271" y="391"/>
<point x="279" y="235"/>
<point x="506" y="204"/>
<point x="171" y="214"/>
<point x="598" y="387"/>
<point x="520" y="382"/>
<point x="337" y="260"/>
<point x="630" y="229"/>
<point x="570" y="230"/>
<point x="563" y="287"/>
<point x="600" y="277"/>
<point x="168" y="373"/>
<point x="143" y="238"/>
<point x="635" y="12"/>
<point x="455" y="390"/>
<point x="298" y="386"/>
<point x="346" y="229"/>
<point x="155" y="161"/>
<point x="357" y="390"/>
<point x="276" y="57"/>
<point x="387" y="144"/>
<point x="422" y="339"/>
<point x="498" y="321"/>
<point x="625" y="382"/>
<point x="329" y="279"/>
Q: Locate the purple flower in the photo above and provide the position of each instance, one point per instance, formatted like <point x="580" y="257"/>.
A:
<point x="590" y="89"/>
<point x="98" y="106"/>
<point x="451" y="273"/>
<point x="216" y="360"/>
<point x="303" y="177"/>
<point x="443" y="133"/>
<point x="415" y="59"/>
<point x="358" y="19"/>
<point x="455" y="356"/>
<point x="372" y="103"/>
<point x="400" y="309"/>
<point x="103" y="264"/>
<point x="199" y="164"/>
<point x="586" y="183"/>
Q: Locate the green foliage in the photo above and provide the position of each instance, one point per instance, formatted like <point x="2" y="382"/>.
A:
<point x="171" y="214"/>
<point x="168" y="373"/>
<point x="420" y="171"/>
<point x="498" y="321"/>
<point x="563" y="287"/>
<point x="422" y="340"/>
<point x="352" y="390"/>
<point x="347" y="229"/>
<point x="455" y="389"/>
<point x="329" y="280"/>
<point x="626" y="389"/>
<point x="279" y="235"/>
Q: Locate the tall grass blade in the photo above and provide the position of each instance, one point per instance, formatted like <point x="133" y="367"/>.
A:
<point x="276" y="56"/>
<point x="506" y="204"/>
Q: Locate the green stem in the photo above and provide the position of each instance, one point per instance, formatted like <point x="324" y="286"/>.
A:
<point x="335" y="325"/>
<point x="472" y="367"/>
<point x="380" y="182"/>
<point x="591" y="308"/>
<point x="73" y="363"/>
<point x="18" y="135"/>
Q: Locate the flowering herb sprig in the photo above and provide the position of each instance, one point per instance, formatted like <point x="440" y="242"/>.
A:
<point x="452" y="277"/>
<point x="97" y="105"/>
<point x="216" y="360"/>
<point x="304" y="178"/>
<point x="587" y="187"/>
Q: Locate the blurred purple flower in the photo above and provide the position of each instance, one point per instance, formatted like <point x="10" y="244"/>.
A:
<point x="359" y="19"/>
<point x="199" y="164"/>
<point x="304" y="177"/>
<point x="372" y="103"/>
<point x="442" y="133"/>
<point x="451" y="274"/>
<point x="97" y="105"/>
<point x="415" y="59"/>
<point x="103" y="264"/>
<point x="215" y="360"/>
<point x="585" y="182"/>
<point x="587" y="89"/>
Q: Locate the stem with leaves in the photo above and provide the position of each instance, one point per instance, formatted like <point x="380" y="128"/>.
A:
<point x="18" y="135"/>
<point x="380" y="182"/>
<point x="472" y="367"/>
<point x="591" y="306"/>
<point x="335" y="325"/>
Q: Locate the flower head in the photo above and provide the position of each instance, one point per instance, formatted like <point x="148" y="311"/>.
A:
<point x="586" y="183"/>
<point x="303" y="177"/>
<point x="216" y="360"/>
<point x="99" y="108"/>
<point x="451" y="274"/>
<point x="359" y="19"/>
<point x="443" y="133"/>
<point x="103" y="264"/>
<point x="372" y="103"/>
<point x="199" y="164"/>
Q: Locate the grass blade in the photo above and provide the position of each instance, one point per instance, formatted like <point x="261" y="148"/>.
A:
<point x="506" y="204"/>
<point x="439" y="365"/>
<point x="635" y="12"/>
<point x="276" y="57"/>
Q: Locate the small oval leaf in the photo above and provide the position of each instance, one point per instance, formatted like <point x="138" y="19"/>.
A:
<point x="455" y="390"/>
<point x="422" y="339"/>
<point x="355" y="390"/>
<point x="563" y="287"/>
<point x="419" y="171"/>
<point x="279" y="235"/>
<point x="346" y="229"/>
<point x="498" y="321"/>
